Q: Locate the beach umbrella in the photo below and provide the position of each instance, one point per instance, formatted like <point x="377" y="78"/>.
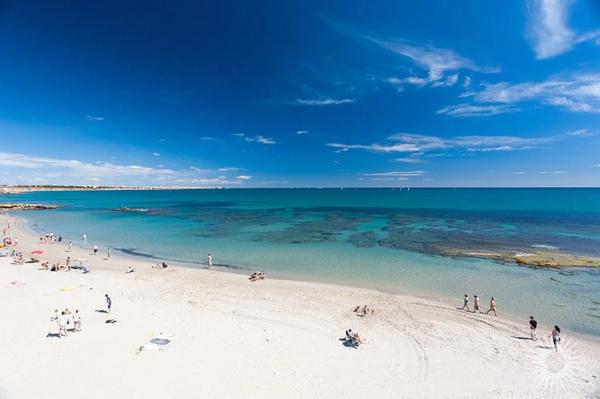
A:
<point x="37" y="252"/>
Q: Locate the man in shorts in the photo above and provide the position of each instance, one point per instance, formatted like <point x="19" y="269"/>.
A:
<point x="532" y="328"/>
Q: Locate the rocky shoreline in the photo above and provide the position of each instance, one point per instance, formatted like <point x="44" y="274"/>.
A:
<point x="22" y="207"/>
<point x="546" y="259"/>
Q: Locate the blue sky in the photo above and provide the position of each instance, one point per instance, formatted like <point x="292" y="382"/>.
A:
<point x="301" y="93"/>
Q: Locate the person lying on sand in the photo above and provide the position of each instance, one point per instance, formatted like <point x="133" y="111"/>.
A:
<point x="357" y="340"/>
<point x="130" y="269"/>
<point x="160" y="266"/>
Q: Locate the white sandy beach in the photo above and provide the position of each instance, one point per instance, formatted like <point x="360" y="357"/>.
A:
<point x="270" y="339"/>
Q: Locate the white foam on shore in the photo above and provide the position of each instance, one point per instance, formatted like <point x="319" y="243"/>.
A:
<point x="544" y="246"/>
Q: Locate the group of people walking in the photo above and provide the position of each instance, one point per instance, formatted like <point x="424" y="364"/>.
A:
<point x="555" y="333"/>
<point x="477" y="305"/>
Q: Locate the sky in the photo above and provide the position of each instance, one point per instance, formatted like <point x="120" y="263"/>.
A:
<point x="300" y="93"/>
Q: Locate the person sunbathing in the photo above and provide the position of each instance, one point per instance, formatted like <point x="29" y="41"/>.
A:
<point x="357" y="340"/>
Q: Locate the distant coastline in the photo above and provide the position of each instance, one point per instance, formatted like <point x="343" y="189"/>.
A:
<point x="20" y="189"/>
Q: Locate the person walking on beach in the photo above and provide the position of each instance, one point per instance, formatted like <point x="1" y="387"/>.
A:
<point x="77" y="320"/>
<point x="108" y="302"/>
<point x="532" y="328"/>
<point x="108" y="253"/>
<point x="84" y="237"/>
<point x="555" y="334"/>
<point x="209" y="261"/>
<point x="492" y="307"/>
<point x="68" y="262"/>
<point x="62" y="324"/>
<point x="476" y="304"/>
<point x="95" y="249"/>
<point x="70" y="246"/>
<point x="465" y="303"/>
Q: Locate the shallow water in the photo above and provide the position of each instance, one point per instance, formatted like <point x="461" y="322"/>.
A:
<point x="382" y="238"/>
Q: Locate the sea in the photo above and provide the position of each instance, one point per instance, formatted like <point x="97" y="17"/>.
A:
<point x="390" y="239"/>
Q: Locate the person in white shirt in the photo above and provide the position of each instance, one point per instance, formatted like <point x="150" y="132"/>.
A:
<point x="77" y="320"/>
<point x="209" y="261"/>
<point x="62" y="325"/>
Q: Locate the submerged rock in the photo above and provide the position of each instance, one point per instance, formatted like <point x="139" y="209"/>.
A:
<point x="21" y="207"/>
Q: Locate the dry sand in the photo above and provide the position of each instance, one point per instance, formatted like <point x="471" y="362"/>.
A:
<point x="268" y="339"/>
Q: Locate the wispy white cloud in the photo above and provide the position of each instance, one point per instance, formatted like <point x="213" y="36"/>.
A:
<point x="243" y="177"/>
<point x="417" y="144"/>
<point x="437" y="62"/>
<point x="77" y="167"/>
<point x="95" y="118"/>
<point x="27" y="169"/>
<point x="580" y="133"/>
<point x="468" y="110"/>
<point x="553" y="172"/>
<point x="548" y="30"/>
<point x="575" y="92"/>
<point x="393" y="175"/>
<point x="320" y="102"/>
<point x="520" y="172"/>
<point x="156" y="154"/>
<point x="410" y="160"/>
<point x="258" y="139"/>
<point x="264" y="140"/>
<point x="301" y="132"/>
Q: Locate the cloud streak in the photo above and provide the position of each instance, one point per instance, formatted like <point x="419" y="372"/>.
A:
<point x="258" y="139"/>
<point x="416" y="143"/>
<point x="470" y="110"/>
<point x="27" y="169"/>
<point x="322" y="102"/>
<point x="574" y="93"/>
<point x="548" y="31"/>
<point x="437" y="62"/>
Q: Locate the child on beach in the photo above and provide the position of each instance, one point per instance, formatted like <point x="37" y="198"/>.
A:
<point x="95" y="249"/>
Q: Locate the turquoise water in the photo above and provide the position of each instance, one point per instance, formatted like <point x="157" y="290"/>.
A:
<point x="382" y="238"/>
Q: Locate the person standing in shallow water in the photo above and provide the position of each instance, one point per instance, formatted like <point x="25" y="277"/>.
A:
<point x="465" y="303"/>
<point x="209" y="261"/>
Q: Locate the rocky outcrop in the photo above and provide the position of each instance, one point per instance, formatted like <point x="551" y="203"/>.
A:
<point x="545" y="259"/>
<point x="22" y="207"/>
